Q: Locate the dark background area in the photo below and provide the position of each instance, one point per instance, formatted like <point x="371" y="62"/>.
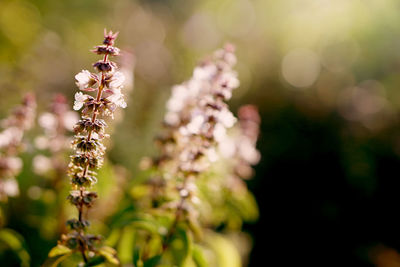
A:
<point x="316" y="208"/>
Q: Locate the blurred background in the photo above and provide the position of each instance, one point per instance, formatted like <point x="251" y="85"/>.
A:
<point x="324" y="75"/>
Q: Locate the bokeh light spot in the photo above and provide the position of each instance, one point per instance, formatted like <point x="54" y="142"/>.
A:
<point x="301" y="67"/>
<point x="199" y="32"/>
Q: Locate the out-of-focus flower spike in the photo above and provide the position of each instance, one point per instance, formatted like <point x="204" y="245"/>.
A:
<point x="21" y="120"/>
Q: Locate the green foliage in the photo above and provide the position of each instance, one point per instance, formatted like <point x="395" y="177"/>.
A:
<point x="153" y="261"/>
<point x="109" y="254"/>
<point x="55" y="261"/>
<point x="198" y="256"/>
<point x="226" y="254"/>
<point x="181" y="247"/>
<point x="59" y="250"/>
<point x="15" y="243"/>
<point x="95" y="261"/>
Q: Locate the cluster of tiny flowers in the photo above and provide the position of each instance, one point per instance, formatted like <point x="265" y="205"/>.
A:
<point x="247" y="153"/>
<point x="56" y="125"/>
<point x="20" y="120"/>
<point x="196" y="121"/>
<point x="87" y="143"/>
<point x="239" y="148"/>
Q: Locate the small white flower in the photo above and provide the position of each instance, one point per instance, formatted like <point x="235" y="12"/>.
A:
<point x="70" y="119"/>
<point x="117" y="80"/>
<point x="10" y="187"/>
<point x="178" y="98"/>
<point x="194" y="87"/>
<point x="195" y="200"/>
<point x="10" y="135"/>
<point x="219" y="132"/>
<point x="227" y="56"/>
<point x="48" y="121"/>
<point x="211" y="154"/>
<point x="230" y="58"/>
<point x="195" y="125"/>
<point x="184" y="193"/>
<point x="227" y="147"/>
<point x="14" y="163"/>
<point x="85" y="79"/>
<point x="226" y="118"/>
<point x="41" y="142"/>
<point x="227" y="93"/>
<point x="117" y="98"/>
<point x="230" y="79"/>
<point x="248" y="152"/>
<point x="79" y="100"/>
<point x="204" y="72"/>
<point x="41" y="164"/>
<point x="171" y="118"/>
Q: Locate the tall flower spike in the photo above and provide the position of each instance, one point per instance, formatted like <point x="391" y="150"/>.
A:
<point x="196" y="121"/>
<point x="89" y="150"/>
<point x="20" y="120"/>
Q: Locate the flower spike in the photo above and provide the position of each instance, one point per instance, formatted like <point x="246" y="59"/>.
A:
<point x="88" y="146"/>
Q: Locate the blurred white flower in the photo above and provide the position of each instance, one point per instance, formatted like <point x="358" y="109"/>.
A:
<point x="212" y="155"/>
<point x="70" y="118"/>
<point x="80" y="99"/>
<point x="194" y="87"/>
<point x="10" y="187"/>
<point x="41" y="142"/>
<point x="178" y="98"/>
<point x="219" y="132"/>
<point x="227" y="55"/>
<point x="171" y="118"/>
<point x="14" y="163"/>
<point x="226" y="118"/>
<point x="117" y="80"/>
<point x="117" y="98"/>
<point x="41" y="164"/>
<point x="248" y="152"/>
<point x="230" y="79"/>
<point x="10" y="135"/>
<point x="227" y="147"/>
<point x="48" y="121"/>
<point x="227" y="94"/>
<point x="195" y="124"/>
<point x="204" y="72"/>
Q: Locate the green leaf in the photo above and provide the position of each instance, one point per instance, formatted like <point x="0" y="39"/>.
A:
<point x="153" y="261"/>
<point x="59" y="250"/>
<point x="113" y="237"/>
<point x="146" y="225"/>
<point x="198" y="256"/>
<point x="126" y="244"/>
<point x="181" y="246"/>
<point x="109" y="254"/>
<point x="245" y="204"/>
<point x="140" y="221"/>
<point x="225" y="251"/>
<point x="55" y="261"/>
<point x="137" y="252"/>
<point x="95" y="261"/>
